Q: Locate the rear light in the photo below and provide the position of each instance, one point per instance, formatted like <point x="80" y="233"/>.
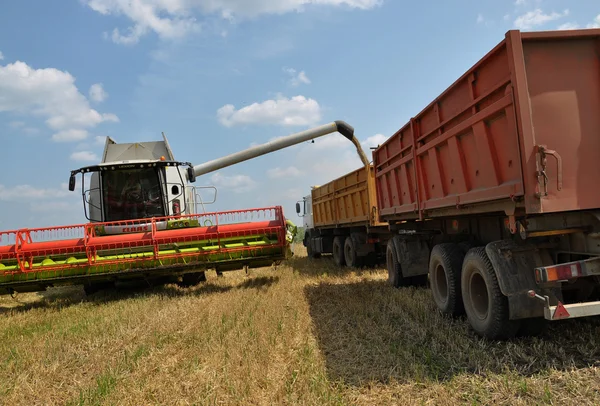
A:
<point x="558" y="273"/>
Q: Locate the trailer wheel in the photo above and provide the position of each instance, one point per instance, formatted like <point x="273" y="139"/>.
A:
<point x="350" y="253"/>
<point x="485" y="305"/>
<point x="394" y="268"/>
<point x="338" y="251"/>
<point x="445" y="266"/>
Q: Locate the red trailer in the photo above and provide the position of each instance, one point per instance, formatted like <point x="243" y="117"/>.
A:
<point x="492" y="189"/>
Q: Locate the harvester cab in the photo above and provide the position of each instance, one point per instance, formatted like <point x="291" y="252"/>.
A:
<point x="137" y="181"/>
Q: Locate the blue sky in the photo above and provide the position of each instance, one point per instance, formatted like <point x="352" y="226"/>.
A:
<point x="219" y="75"/>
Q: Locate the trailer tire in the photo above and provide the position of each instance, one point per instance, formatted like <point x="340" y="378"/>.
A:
<point x="338" y="251"/>
<point x="445" y="268"/>
<point x="394" y="268"/>
<point x="350" y="255"/>
<point x="485" y="305"/>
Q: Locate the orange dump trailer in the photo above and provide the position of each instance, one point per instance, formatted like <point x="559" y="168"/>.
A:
<point x="490" y="192"/>
<point x="344" y="220"/>
<point x="494" y="183"/>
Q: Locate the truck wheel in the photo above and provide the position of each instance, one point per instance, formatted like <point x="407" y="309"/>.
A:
<point x="394" y="268"/>
<point x="338" y="251"/>
<point x="485" y="305"/>
<point x="310" y="252"/>
<point x="350" y="253"/>
<point x="445" y="266"/>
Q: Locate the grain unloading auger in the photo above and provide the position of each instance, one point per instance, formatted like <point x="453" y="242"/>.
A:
<point x="144" y="223"/>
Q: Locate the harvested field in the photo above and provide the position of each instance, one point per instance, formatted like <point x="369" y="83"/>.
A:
<point x="303" y="333"/>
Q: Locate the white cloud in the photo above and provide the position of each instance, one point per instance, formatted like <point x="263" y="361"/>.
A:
<point x="51" y="207"/>
<point x="297" y="78"/>
<point x="21" y="192"/>
<point x="297" y="111"/>
<point x="172" y="19"/>
<point x="568" y="26"/>
<point x="1" y="56"/>
<point x="374" y="141"/>
<point x="70" y="135"/>
<point x="84" y="156"/>
<point x="596" y="23"/>
<point x="99" y="140"/>
<point x="48" y="93"/>
<point x="16" y="124"/>
<point x="537" y="17"/>
<point x="97" y="93"/>
<point x="235" y="183"/>
<point x="278" y="173"/>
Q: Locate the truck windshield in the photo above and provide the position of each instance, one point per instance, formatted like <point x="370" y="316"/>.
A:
<point x="131" y="194"/>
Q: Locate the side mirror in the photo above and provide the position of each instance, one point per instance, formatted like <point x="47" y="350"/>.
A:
<point x="191" y="175"/>
<point x="72" y="183"/>
<point x="297" y="208"/>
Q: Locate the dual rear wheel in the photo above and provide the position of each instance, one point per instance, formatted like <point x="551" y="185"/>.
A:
<point x="344" y="252"/>
<point x="465" y="283"/>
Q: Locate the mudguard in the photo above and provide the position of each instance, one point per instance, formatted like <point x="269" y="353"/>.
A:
<point x="514" y="265"/>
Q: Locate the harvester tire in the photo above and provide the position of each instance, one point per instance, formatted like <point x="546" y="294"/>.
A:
<point x="445" y="267"/>
<point x="485" y="305"/>
<point x="192" y="279"/>
<point x="338" y="251"/>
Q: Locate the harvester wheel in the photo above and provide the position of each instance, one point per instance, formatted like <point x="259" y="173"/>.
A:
<point x="338" y="251"/>
<point x="485" y="305"/>
<point x="350" y="256"/>
<point x="445" y="266"/>
<point x="192" y="279"/>
<point x="394" y="268"/>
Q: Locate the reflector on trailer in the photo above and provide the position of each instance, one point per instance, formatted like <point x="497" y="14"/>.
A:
<point x="560" y="312"/>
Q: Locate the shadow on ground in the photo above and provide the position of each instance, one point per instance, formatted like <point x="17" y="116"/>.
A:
<point x="59" y="297"/>
<point x="306" y="266"/>
<point x="369" y="331"/>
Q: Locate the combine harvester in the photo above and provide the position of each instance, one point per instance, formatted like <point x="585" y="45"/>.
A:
<point x="144" y="224"/>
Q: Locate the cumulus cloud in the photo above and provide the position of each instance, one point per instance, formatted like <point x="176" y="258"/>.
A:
<point x="295" y="111"/>
<point x="85" y="156"/>
<point x="374" y="141"/>
<point x="235" y="183"/>
<point x="278" y="173"/>
<point x="537" y="17"/>
<point x="23" y="192"/>
<point x="297" y="78"/>
<point x="595" y="23"/>
<point x="172" y="19"/>
<point x="70" y="135"/>
<point x="1" y="56"/>
<point x="97" y="93"/>
<point x="51" y="94"/>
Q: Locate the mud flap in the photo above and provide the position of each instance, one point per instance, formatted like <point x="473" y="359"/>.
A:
<point x="413" y="255"/>
<point x="514" y="265"/>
